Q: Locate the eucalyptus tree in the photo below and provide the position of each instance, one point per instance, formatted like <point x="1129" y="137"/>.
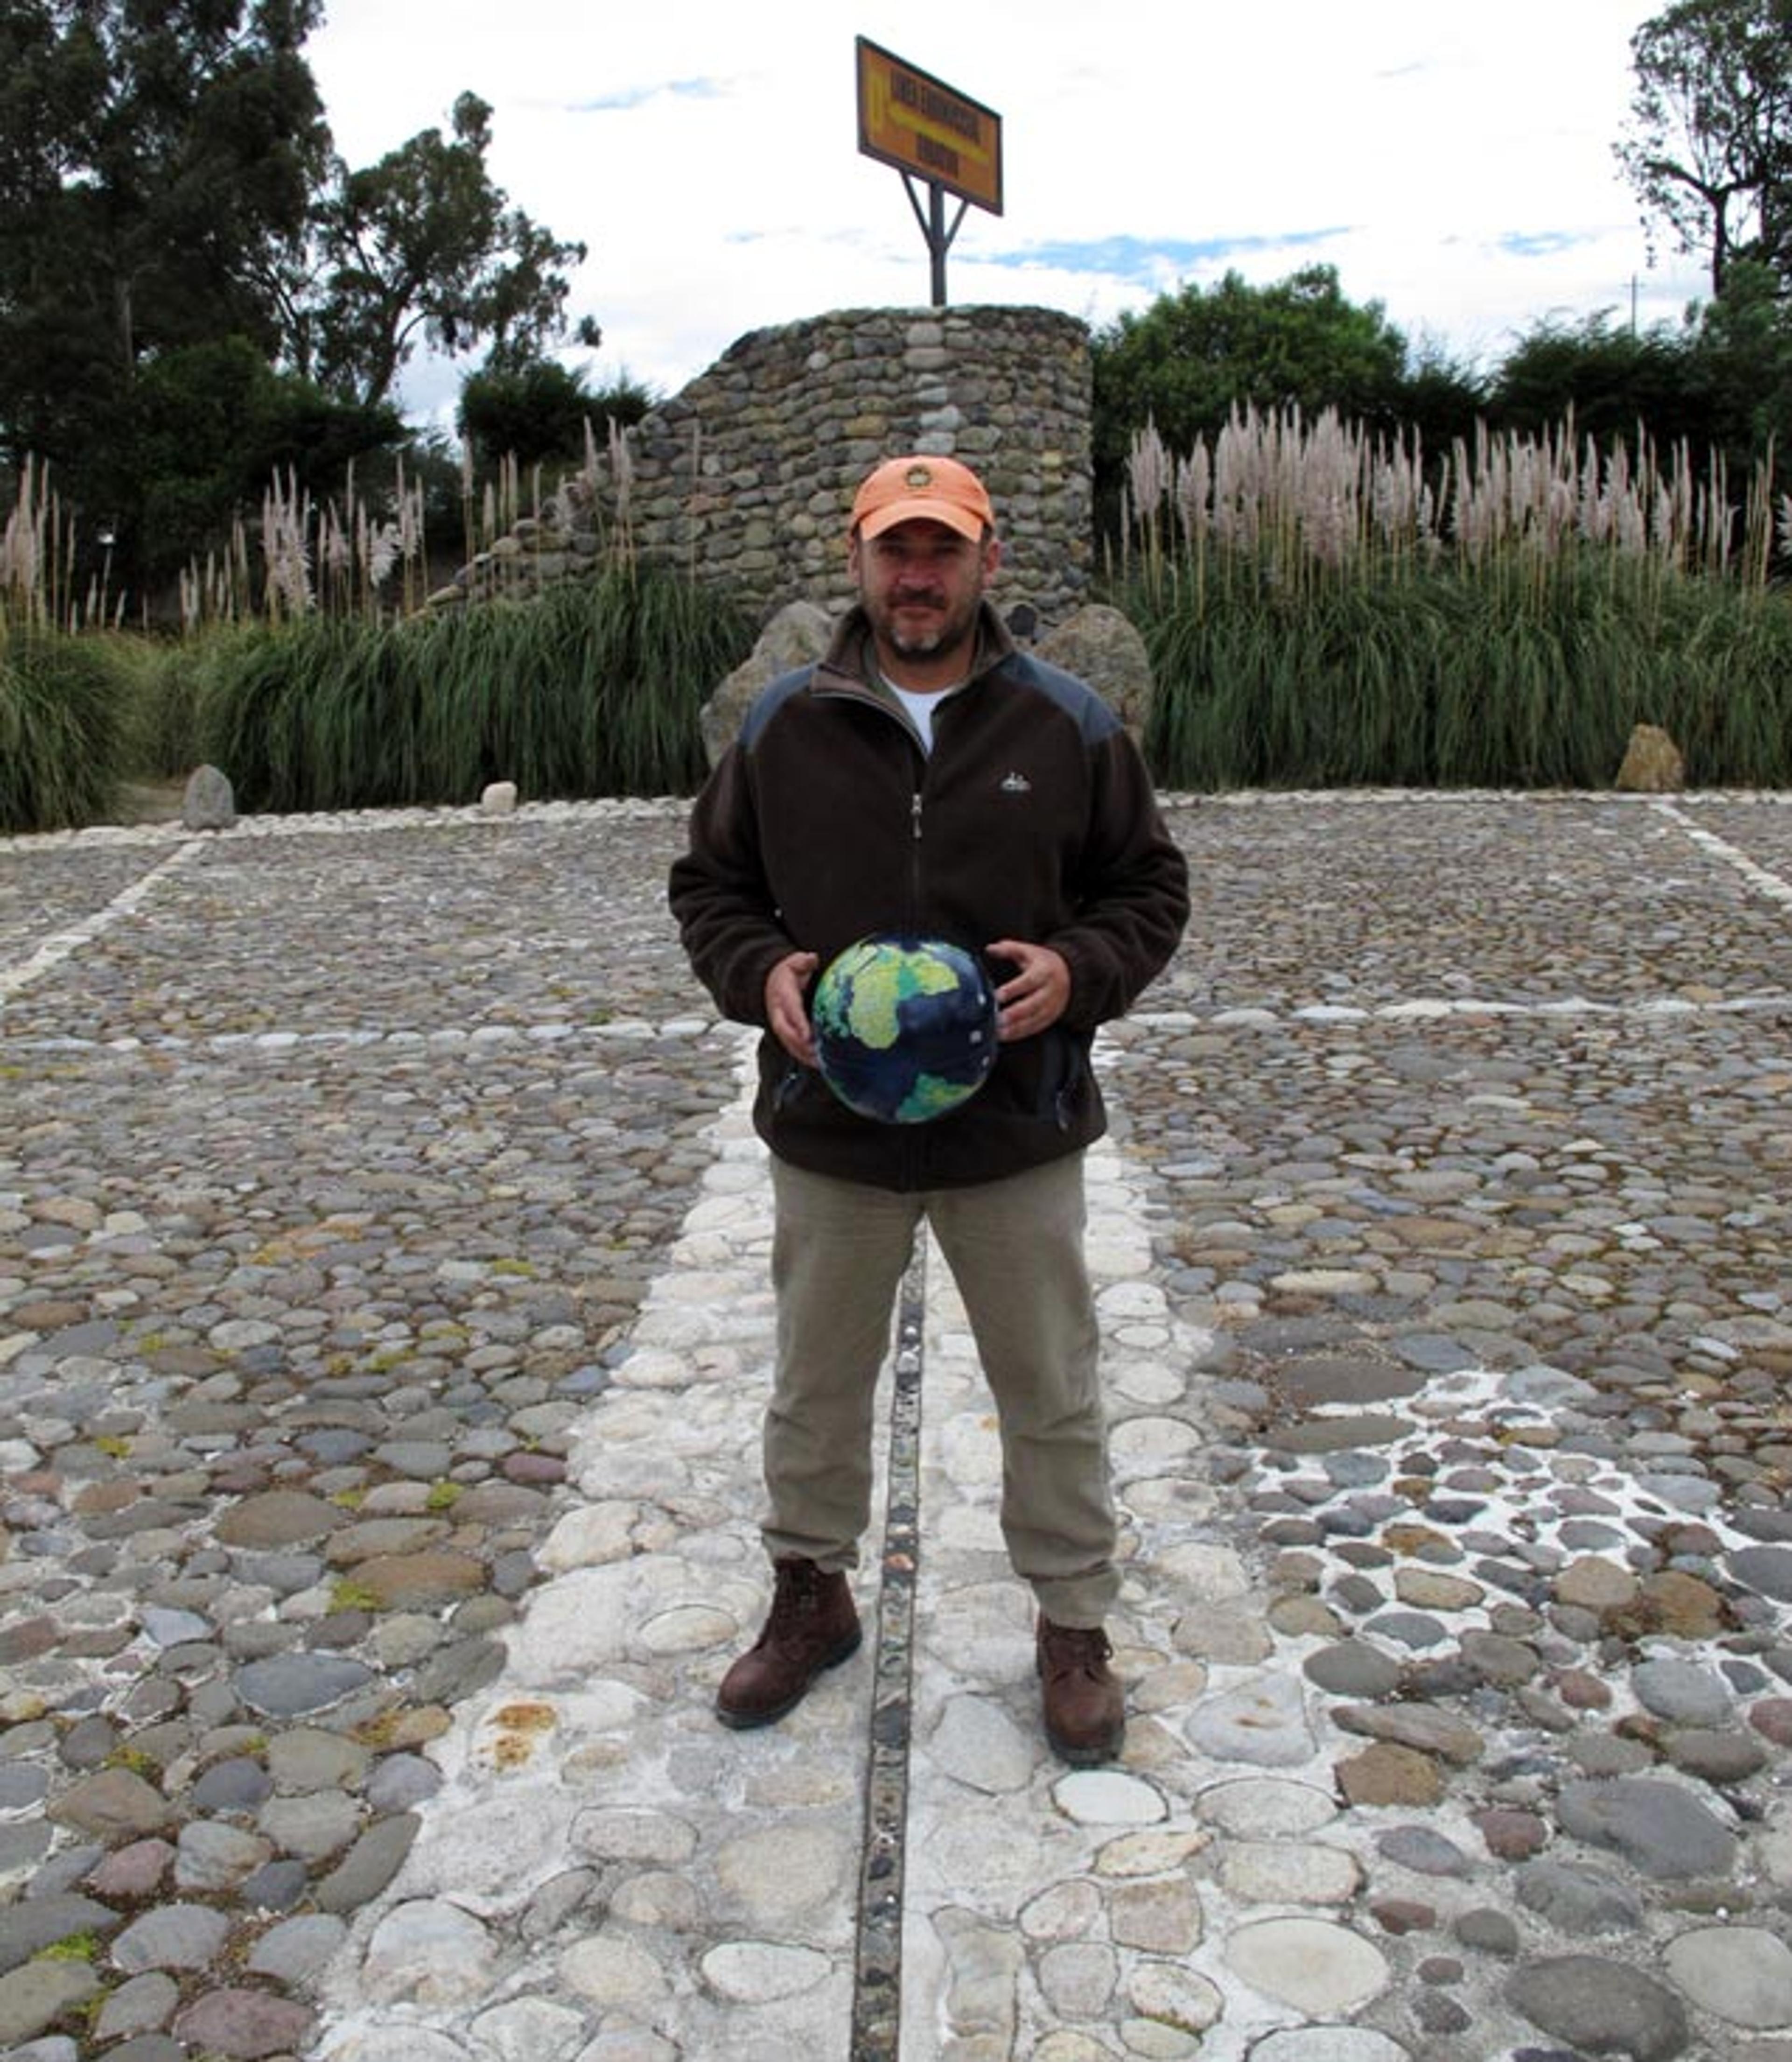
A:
<point x="1709" y="144"/>
<point x="151" y="162"/>
<point x="172" y="209"/>
<point x="422" y="246"/>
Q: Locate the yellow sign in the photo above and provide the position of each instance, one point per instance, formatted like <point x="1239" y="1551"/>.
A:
<point x="909" y="119"/>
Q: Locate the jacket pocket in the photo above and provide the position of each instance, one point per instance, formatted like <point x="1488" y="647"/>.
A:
<point x="791" y="1085"/>
<point x="1063" y="1068"/>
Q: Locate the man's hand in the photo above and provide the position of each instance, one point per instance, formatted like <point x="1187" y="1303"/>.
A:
<point x="1037" y="995"/>
<point x="785" y="1008"/>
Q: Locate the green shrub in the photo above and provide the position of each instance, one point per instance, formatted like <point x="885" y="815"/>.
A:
<point x="162" y="679"/>
<point x="592" y="689"/>
<point x="62" y="730"/>
<point x="1440" y="683"/>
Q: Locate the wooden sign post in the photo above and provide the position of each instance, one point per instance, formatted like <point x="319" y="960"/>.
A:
<point x="930" y="131"/>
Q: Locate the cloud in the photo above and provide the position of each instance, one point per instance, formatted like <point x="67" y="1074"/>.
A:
<point x="1540" y="244"/>
<point x="1144" y="261"/>
<point x="625" y="102"/>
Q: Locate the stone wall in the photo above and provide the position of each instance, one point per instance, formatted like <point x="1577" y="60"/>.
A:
<point x="747" y="476"/>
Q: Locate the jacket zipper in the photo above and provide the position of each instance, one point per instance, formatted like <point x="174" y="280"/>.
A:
<point x="914" y="1144"/>
<point x="853" y="690"/>
<point x="915" y="859"/>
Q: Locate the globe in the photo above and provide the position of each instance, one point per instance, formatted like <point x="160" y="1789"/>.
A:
<point x="904" y="1028"/>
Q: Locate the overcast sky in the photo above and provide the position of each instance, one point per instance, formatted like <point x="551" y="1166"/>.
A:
<point x="1452" y="159"/>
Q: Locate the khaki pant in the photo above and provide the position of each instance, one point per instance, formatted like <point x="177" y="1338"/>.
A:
<point x="1016" y="1251"/>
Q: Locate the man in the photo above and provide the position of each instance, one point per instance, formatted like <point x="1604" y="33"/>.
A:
<point x="929" y="779"/>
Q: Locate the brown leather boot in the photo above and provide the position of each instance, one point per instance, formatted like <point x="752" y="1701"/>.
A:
<point x="1085" y="1712"/>
<point x="812" y="1627"/>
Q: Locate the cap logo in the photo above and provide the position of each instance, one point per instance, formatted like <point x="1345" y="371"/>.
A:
<point x="918" y="475"/>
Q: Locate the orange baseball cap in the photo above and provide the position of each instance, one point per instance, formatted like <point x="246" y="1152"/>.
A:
<point x="922" y="488"/>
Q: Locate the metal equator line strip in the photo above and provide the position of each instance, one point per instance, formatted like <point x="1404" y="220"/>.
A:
<point x="877" y="1969"/>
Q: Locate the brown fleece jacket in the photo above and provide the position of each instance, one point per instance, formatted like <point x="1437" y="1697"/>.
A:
<point x="1032" y="817"/>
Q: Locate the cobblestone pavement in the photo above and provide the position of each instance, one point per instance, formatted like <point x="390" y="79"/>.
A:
<point x="384" y="1332"/>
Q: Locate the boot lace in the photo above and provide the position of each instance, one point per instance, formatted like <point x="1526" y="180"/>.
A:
<point x="1072" y="1650"/>
<point x="796" y="1601"/>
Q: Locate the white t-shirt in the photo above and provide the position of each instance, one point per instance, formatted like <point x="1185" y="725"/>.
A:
<point x="921" y="706"/>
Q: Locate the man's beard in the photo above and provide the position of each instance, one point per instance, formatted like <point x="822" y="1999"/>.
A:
<point x="949" y="629"/>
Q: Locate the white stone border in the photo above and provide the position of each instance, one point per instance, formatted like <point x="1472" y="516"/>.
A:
<point x="60" y="944"/>
<point x="1760" y="878"/>
<point x="661" y="807"/>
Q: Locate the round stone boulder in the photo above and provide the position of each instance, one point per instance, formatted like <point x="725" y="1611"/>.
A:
<point x="797" y="636"/>
<point x="1102" y="647"/>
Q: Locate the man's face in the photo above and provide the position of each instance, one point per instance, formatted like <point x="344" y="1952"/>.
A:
<point x="919" y="582"/>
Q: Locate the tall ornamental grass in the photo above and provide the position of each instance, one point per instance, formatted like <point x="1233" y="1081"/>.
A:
<point x="62" y="730"/>
<point x="346" y="555"/>
<point x="38" y="580"/>
<point x="335" y="555"/>
<point x="1325" y="608"/>
<point x="592" y="689"/>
